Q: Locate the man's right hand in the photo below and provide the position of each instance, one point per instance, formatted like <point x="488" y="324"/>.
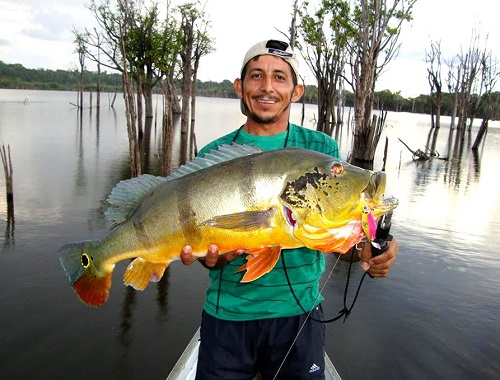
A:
<point x="212" y="259"/>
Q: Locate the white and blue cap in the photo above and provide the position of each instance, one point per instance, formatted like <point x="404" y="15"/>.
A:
<point x="273" y="47"/>
<point x="270" y="47"/>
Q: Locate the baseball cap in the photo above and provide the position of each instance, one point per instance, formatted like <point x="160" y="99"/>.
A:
<point x="273" y="47"/>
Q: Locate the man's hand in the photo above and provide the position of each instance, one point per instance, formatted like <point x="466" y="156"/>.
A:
<point x="212" y="259"/>
<point x="379" y="266"/>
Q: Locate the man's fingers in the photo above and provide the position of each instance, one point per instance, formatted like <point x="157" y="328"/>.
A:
<point x="381" y="265"/>
<point x="234" y="254"/>
<point x="212" y="255"/>
<point x="187" y="257"/>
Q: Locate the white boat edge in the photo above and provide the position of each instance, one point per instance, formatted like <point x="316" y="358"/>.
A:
<point x="185" y="368"/>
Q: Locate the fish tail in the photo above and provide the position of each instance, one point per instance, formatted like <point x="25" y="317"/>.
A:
<point x="90" y="282"/>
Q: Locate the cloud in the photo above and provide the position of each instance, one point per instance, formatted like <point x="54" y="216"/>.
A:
<point x="49" y="24"/>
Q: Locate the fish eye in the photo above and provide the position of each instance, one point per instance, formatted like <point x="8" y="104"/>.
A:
<point x="337" y="169"/>
<point x="85" y="260"/>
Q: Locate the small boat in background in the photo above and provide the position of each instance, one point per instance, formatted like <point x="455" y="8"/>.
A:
<point x="185" y="368"/>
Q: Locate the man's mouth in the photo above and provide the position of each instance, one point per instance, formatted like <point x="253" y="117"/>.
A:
<point x="268" y="101"/>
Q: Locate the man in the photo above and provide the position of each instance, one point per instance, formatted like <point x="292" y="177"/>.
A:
<point x="264" y="326"/>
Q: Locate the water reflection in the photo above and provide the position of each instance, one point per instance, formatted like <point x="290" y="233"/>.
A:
<point x="10" y="226"/>
<point x="127" y="314"/>
<point x="65" y="168"/>
<point x="162" y="294"/>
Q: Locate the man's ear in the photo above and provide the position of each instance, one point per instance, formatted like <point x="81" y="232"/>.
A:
<point x="298" y="91"/>
<point x="238" y="87"/>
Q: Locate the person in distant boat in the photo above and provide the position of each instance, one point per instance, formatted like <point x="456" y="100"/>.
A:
<point x="269" y="326"/>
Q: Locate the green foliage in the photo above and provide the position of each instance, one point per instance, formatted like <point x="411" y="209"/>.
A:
<point x="18" y="77"/>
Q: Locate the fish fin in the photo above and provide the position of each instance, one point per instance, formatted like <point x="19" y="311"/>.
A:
<point x="259" y="262"/>
<point x="246" y="220"/>
<point x="93" y="291"/>
<point x="90" y="282"/>
<point x="128" y="194"/>
<point x="222" y="154"/>
<point x="140" y="272"/>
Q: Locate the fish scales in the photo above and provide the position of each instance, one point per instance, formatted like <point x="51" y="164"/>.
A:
<point x="241" y="198"/>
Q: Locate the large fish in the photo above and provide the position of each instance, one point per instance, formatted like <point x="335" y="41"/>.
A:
<point x="237" y="197"/>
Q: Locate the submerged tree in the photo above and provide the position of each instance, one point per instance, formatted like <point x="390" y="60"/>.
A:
<point x="433" y="60"/>
<point x="473" y="75"/>
<point x="362" y="34"/>
<point x="378" y="24"/>
<point x="324" y="34"/>
<point x="195" y="43"/>
<point x="145" y="48"/>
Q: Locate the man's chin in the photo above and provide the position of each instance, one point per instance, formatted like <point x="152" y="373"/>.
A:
<point x="262" y="119"/>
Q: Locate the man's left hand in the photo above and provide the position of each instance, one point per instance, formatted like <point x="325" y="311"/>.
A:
<point x="379" y="266"/>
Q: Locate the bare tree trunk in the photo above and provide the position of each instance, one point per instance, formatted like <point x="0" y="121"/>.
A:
<point x="482" y="131"/>
<point x="174" y="100"/>
<point x="131" y="116"/>
<point x="8" y="172"/>
<point x="9" y="186"/>
<point x="99" y="89"/>
<point x="167" y="131"/>
<point x="192" y="140"/>
<point x="140" y="108"/>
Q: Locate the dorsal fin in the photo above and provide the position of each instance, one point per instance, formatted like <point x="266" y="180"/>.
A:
<point x="223" y="153"/>
<point x="128" y="194"/>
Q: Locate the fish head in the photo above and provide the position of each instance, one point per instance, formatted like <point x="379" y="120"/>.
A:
<point x="324" y="205"/>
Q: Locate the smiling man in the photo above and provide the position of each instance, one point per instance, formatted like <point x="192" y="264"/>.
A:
<point x="264" y="326"/>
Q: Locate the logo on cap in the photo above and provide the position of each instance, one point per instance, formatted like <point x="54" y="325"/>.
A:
<point x="280" y="53"/>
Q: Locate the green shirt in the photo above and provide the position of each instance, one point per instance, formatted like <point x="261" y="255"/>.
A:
<point x="271" y="295"/>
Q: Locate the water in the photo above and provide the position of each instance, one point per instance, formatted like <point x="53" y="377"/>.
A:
<point x="435" y="316"/>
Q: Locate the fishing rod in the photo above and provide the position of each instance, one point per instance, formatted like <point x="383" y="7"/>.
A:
<point x="382" y="235"/>
<point x="379" y="245"/>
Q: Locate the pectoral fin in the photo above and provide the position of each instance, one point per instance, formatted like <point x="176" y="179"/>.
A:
<point x="140" y="272"/>
<point x="259" y="262"/>
<point x="246" y="220"/>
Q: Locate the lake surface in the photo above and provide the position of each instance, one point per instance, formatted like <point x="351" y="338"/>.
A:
<point x="437" y="316"/>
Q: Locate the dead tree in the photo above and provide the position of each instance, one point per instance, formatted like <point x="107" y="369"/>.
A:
<point x="433" y="60"/>
<point x="7" y="168"/>
<point x="9" y="184"/>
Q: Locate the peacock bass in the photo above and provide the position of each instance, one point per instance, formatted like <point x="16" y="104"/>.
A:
<point x="236" y="197"/>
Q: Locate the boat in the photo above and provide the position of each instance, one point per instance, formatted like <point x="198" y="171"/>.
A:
<point x="185" y="368"/>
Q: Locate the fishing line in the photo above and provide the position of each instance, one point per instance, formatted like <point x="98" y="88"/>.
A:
<point x="342" y="313"/>
<point x="308" y="313"/>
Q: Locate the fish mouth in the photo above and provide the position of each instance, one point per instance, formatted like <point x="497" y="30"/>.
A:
<point x="374" y="195"/>
<point x="376" y="186"/>
<point x="386" y="204"/>
<point x="290" y="219"/>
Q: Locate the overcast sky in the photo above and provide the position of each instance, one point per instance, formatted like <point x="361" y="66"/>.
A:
<point x="38" y="34"/>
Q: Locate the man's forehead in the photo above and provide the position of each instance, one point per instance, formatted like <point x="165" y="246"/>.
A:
<point x="262" y="62"/>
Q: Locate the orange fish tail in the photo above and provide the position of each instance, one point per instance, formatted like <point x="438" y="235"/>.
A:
<point x="86" y="273"/>
<point x="92" y="290"/>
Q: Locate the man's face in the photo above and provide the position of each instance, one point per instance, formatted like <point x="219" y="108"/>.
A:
<point x="267" y="89"/>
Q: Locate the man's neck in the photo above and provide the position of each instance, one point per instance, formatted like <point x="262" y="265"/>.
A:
<point x="260" y="129"/>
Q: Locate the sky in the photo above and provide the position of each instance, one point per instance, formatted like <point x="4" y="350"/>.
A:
<point x="39" y="34"/>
